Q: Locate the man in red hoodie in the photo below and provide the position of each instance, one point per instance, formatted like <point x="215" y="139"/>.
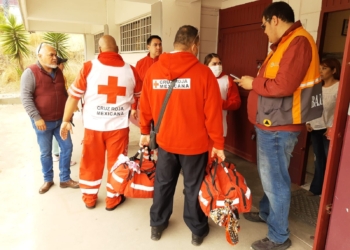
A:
<point x="192" y="116"/>
<point x="109" y="86"/>
<point x="154" y="45"/>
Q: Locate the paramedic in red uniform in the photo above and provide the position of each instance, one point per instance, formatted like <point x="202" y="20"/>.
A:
<point x="154" y="46"/>
<point x="108" y="85"/>
<point x="192" y="116"/>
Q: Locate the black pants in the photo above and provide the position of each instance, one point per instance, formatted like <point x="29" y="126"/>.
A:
<point x="320" y="145"/>
<point x="167" y="174"/>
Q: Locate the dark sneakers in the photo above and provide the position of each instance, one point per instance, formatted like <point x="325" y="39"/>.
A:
<point x="266" y="244"/>
<point x="156" y="232"/>
<point x="253" y="216"/>
<point x="198" y="240"/>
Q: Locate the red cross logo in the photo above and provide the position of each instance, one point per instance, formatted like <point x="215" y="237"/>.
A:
<point x="112" y="90"/>
<point x="155" y="84"/>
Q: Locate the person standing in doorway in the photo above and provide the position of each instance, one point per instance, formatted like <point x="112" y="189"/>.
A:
<point x="285" y="94"/>
<point x="192" y="117"/>
<point x="44" y="95"/>
<point x="319" y="128"/>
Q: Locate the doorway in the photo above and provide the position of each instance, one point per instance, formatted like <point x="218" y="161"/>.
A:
<point x="332" y="46"/>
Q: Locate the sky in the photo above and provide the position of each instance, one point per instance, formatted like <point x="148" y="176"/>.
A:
<point x="14" y="10"/>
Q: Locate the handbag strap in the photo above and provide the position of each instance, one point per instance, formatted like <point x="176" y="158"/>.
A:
<point x="170" y="89"/>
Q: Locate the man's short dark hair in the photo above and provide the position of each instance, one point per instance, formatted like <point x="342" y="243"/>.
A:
<point x="186" y="35"/>
<point x="281" y="10"/>
<point x="149" y="40"/>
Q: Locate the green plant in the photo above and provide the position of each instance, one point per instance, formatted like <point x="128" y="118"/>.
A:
<point x="14" y="40"/>
<point x="59" y="42"/>
<point x="2" y="16"/>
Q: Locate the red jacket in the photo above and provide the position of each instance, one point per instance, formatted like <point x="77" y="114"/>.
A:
<point x="293" y="66"/>
<point x="194" y="111"/>
<point x="233" y="99"/>
<point x="143" y="65"/>
<point x="50" y="95"/>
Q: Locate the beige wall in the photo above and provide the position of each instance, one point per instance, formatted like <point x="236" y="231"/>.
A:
<point x="209" y="32"/>
<point x="127" y="11"/>
<point x="89" y="47"/>
<point x="334" y="41"/>
<point x="308" y="12"/>
<point x="169" y="15"/>
<point x="176" y="14"/>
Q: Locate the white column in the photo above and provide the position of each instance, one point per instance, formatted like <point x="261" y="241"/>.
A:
<point x="89" y="47"/>
<point x="110" y="27"/>
<point x="176" y="14"/>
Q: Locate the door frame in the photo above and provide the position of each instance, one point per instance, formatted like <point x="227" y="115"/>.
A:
<point x="336" y="135"/>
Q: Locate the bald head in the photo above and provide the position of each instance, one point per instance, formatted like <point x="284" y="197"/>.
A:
<point x="107" y="44"/>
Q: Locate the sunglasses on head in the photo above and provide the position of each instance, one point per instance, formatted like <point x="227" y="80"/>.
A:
<point x="41" y="44"/>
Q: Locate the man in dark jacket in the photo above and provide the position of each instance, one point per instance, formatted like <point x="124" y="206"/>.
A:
<point x="43" y="96"/>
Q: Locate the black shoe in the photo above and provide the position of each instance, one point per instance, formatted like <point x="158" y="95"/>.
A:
<point x="253" y="216"/>
<point x="198" y="240"/>
<point x="121" y="202"/>
<point x="266" y="244"/>
<point x="156" y="232"/>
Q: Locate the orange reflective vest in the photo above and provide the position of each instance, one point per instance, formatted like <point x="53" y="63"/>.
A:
<point x="306" y="102"/>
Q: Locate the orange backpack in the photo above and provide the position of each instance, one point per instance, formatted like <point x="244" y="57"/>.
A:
<point x="224" y="182"/>
<point x="141" y="184"/>
<point x="134" y="177"/>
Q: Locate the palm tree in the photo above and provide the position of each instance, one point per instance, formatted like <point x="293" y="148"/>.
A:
<point x="58" y="41"/>
<point x="2" y="15"/>
<point x="14" y="40"/>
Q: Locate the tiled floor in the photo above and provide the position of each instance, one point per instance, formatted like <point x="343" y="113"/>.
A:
<point x="59" y="219"/>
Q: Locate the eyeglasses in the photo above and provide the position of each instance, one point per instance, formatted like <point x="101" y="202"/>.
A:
<point x="194" y="40"/>
<point x="263" y="26"/>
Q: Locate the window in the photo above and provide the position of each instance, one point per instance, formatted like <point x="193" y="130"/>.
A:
<point x="96" y="38"/>
<point x="134" y="35"/>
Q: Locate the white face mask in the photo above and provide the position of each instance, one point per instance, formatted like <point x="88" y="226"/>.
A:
<point x="217" y="69"/>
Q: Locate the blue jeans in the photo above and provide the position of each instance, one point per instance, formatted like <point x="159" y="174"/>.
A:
<point x="320" y="145"/>
<point x="274" y="149"/>
<point x="44" y="139"/>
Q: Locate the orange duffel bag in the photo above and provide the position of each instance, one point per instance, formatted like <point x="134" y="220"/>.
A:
<point x="121" y="173"/>
<point x="221" y="182"/>
<point x="141" y="183"/>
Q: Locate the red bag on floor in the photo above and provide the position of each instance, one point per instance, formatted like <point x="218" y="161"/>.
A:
<point x="120" y="174"/>
<point x="141" y="183"/>
<point x="224" y="182"/>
